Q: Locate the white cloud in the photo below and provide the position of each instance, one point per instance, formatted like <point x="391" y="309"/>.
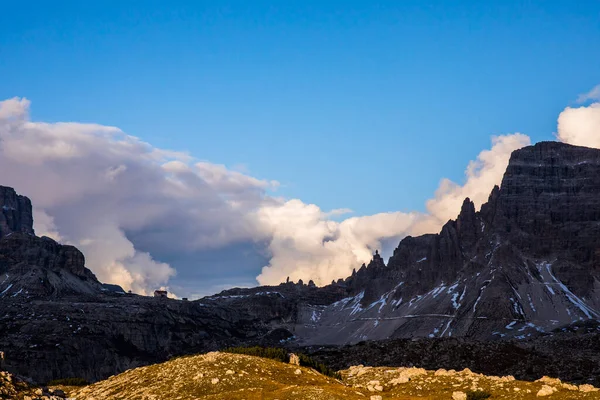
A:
<point x="307" y="245"/>
<point x="481" y="176"/>
<point x="593" y="94"/>
<point x="127" y="205"/>
<point x="44" y="225"/>
<point x="95" y="187"/>
<point x="338" y="212"/>
<point x="14" y="109"/>
<point x="580" y="126"/>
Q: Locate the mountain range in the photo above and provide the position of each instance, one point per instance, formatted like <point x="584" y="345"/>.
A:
<point x="523" y="272"/>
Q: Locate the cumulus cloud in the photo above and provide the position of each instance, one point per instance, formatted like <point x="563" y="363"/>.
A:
<point x="306" y="244"/>
<point x="45" y="226"/>
<point x="130" y="206"/>
<point x="95" y="187"/>
<point x="580" y="126"/>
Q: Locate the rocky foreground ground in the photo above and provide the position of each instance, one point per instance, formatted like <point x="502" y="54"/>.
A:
<point x="232" y="376"/>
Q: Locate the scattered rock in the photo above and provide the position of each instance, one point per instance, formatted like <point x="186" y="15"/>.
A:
<point x="374" y="386"/>
<point x="549" y="381"/>
<point x="443" y="372"/>
<point x="399" y="380"/>
<point x="586" y="388"/>
<point x="459" y="396"/>
<point x="570" y="387"/>
<point x="546" y="391"/>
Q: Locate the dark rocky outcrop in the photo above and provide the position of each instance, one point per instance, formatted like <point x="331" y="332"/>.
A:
<point x="34" y="266"/>
<point x="16" y="213"/>
<point x="94" y="336"/>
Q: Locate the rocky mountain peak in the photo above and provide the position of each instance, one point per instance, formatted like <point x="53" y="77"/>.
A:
<point x="468" y="224"/>
<point x="527" y="264"/>
<point x="488" y="209"/>
<point x="31" y="266"/>
<point x="467" y="214"/>
<point x="15" y="213"/>
<point x="376" y="261"/>
<point x="549" y="201"/>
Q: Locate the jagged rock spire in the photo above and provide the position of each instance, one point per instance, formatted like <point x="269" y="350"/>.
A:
<point x="467" y="224"/>
<point x="377" y="261"/>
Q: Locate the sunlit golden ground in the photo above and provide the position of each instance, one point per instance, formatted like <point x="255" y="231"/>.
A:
<point x="232" y="376"/>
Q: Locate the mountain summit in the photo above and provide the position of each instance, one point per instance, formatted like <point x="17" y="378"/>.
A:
<point x="31" y="266"/>
<point x="527" y="264"/>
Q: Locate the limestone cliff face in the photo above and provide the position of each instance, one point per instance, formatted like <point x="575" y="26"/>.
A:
<point x="39" y="267"/>
<point x="526" y="265"/>
<point x="15" y="213"/>
<point x="549" y="202"/>
<point x="33" y="266"/>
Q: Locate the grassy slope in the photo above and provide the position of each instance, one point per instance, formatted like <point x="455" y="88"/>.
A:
<point x="248" y="377"/>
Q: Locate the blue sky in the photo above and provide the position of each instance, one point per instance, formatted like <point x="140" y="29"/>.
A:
<point x="356" y="104"/>
<point x="348" y="104"/>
